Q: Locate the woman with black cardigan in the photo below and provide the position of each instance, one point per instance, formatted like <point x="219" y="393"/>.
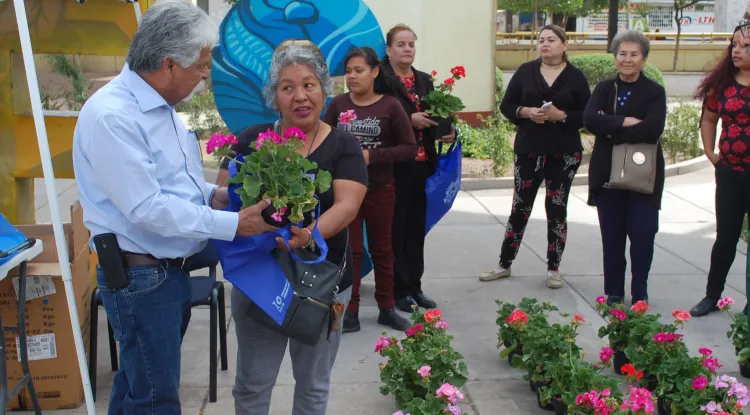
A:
<point x="628" y="109"/>
<point x="410" y="177"/>
<point x="545" y="98"/>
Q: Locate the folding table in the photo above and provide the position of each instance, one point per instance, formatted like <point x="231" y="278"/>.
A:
<point x="31" y="249"/>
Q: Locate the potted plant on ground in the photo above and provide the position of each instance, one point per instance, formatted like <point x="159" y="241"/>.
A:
<point x="624" y="323"/>
<point x="638" y="402"/>
<point x="442" y="103"/>
<point x="543" y="346"/>
<point x="572" y="378"/>
<point x="693" y="395"/>
<point x="419" y="365"/>
<point x="737" y="332"/>
<point x="275" y="171"/>
<point x="512" y="320"/>
<point x="650" y="355"/>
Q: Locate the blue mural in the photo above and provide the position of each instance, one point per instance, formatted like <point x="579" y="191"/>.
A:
<point x="252" y="29"/>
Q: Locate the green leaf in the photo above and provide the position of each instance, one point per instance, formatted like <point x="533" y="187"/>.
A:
<point x="307" y="165"/>
<point x="323" y="181"/>
<point x="251" y="185"/>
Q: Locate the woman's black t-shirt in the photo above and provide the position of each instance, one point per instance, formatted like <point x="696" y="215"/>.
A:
<point x="339" y="154"/>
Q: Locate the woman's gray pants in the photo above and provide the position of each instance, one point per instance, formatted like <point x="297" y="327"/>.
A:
<point x="259" y="354"/>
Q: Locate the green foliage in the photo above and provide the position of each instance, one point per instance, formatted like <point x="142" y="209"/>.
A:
<point x="572" y="377"/>
<point x="490" y="141"/>
<point x="499" y="88"/>
<point x="425" y="345"/>
<point x="738" y="330"/>
<point x="544" y="345"/>
<point x="510" y="329"/>
<point x="681" y="140"/>
<point x="78" y="94"/>
<point x="276" y="172"/>
<point x="441" y="100"/>
<point x="635" y="326"/>
<point x="204" y="119"/>
<point x="600" y="66"/>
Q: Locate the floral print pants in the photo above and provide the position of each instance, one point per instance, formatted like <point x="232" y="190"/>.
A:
<point x="557" y="171"/>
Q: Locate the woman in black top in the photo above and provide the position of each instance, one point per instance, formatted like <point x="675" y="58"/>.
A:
<point x="545" y="98"/>
<point x="297" y="87"/>
<point x="409" y="219"/>
<point x="628" y="109"/>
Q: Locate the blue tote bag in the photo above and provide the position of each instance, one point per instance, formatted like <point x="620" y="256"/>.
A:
<point x="247" y="262"/>
<point x="443" y="186"/>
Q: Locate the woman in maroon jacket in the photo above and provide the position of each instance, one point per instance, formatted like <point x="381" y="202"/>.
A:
<point x="384" y="131"/>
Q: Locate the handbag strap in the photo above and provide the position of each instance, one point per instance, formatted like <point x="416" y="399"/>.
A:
<point x="319" y="241"/>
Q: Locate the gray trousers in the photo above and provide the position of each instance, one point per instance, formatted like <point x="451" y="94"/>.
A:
<point x="260" y="352"/>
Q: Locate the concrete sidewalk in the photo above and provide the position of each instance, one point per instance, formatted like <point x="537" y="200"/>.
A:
<point x="466" y="243"/>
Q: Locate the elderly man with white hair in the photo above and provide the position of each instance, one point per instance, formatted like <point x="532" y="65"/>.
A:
<point x="140" y="182"/>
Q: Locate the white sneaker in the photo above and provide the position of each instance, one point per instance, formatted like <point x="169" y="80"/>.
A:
<point x="495" y="274"/>
<point x="554" y="280"/>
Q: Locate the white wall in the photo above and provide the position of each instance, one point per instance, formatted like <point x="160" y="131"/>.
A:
<point x="450" y="34"/>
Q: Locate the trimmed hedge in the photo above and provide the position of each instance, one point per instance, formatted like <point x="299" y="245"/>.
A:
<point x="599" y="67"/>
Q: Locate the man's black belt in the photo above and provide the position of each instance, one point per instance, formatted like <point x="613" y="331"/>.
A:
<point x="146" y="260"/>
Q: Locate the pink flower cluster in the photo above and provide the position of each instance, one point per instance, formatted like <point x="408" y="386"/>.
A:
<point x="639" y="401"/>
<point x="681" y="315"/>
<point x="711" y="363"/>
<point x="219" y="141"/>
<point x="640" y="307"/>
<point x="449" y="392"/>
<point x="384" y="342"/>
<point x="700" y="382"/>
<point x="619" y="314"/>
<point x="597" y="401"/>
<point x="442" y="325"/>
<point x="725" y="303"/>
<point x="274" y="137"/>
<point x="606" y="354"/>
<point x="424" y="371"/>
<point x="737" y="390"/>
<point x="347" y="117"/>
<point x="413" y="330"/>
<point x="663" y="337"/>
<point x="279" y="215"/>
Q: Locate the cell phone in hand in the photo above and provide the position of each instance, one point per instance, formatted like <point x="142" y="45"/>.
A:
<point x="111" y="260"/>
<point x="547" y="105"/>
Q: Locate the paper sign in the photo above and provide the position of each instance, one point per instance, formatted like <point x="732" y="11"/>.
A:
<point x="36" y="287"/>
<point x="40" y="347"/>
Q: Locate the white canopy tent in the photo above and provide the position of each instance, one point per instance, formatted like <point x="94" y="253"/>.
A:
<point x="49" y="182"/>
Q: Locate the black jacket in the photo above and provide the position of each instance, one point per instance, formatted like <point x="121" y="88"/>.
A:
<point x="527" y="88"/>
<point x="648" y="103"/>
<point x="422" y="86"/>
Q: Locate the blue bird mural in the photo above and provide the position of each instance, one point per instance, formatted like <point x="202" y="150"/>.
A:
<point x="251" y="31"/>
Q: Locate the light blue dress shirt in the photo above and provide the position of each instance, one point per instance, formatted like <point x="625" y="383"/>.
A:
<point x="140" y="176"/>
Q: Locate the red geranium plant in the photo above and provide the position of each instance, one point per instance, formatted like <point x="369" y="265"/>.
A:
<point x="442" y="102"/>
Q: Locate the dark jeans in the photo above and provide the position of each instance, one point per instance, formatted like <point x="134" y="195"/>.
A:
<point x="557" y="171"/>
<point x="377" y="211"/>
<point x="732" y="203"/>
<point x="622" y="215"/>
<point x="148" y="318"/>
<point x="409" y="223"/>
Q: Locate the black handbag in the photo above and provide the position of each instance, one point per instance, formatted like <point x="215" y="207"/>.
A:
<point x="315" y="287"/>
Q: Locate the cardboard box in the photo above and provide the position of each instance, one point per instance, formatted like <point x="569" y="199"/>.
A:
<point x="53" y="361"/>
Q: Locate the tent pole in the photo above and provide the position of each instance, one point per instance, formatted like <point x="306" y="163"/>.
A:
<point x="49" y="182"/>
<point x="137" y="8"/>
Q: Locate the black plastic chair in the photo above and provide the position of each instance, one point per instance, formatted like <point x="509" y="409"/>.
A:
<point x="205" y="291"/>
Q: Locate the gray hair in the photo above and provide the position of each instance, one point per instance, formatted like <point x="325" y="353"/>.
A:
<point x="633" y="36"/>
<point x="174" y="29"/>
<point x="292" y="55"/>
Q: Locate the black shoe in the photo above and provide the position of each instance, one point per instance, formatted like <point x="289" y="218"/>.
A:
<point x="423" y="301"/>
<point x="351" y="322"/>
<point x="613" y="299"/>
<point x="405" y="304"/>
<point x="704" y="307"/>
<point x="389" y="317"/>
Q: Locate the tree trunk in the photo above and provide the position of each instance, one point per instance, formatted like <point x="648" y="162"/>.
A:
<point x="559" y="19"/>
<point x="677" y="19"/>
<point x="627" y="14"/>
<point x="534" y="22"/>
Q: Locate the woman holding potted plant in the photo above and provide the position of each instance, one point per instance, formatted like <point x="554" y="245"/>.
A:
<point x="409" y="220"/>
<point x="298" y="86"/>
<point x="383" y="129"/>
<point x="545" y="98"/>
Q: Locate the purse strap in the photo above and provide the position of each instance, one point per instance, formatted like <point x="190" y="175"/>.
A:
<point x="319" y="241"/>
